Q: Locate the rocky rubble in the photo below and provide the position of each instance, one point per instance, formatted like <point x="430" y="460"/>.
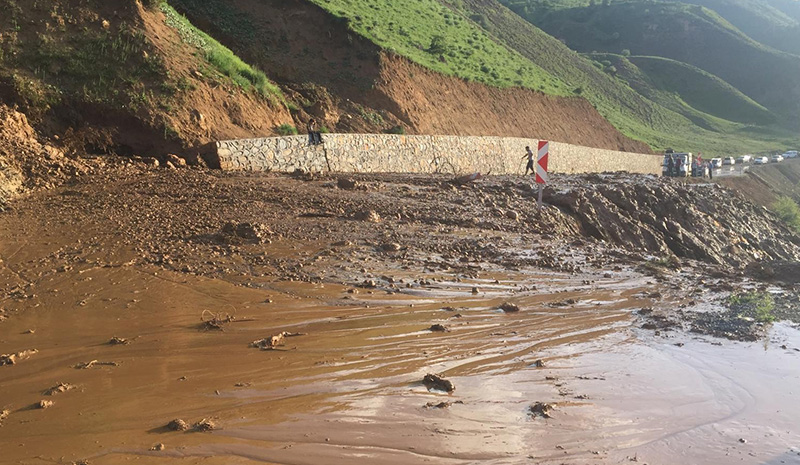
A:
<point x="659" y="216"/>
<point x="27" y="164"/>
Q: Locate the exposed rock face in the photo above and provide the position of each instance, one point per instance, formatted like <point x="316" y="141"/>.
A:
<point x="662" y="217"/>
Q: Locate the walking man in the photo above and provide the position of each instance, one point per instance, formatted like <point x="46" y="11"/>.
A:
<point x="529" y="154"/>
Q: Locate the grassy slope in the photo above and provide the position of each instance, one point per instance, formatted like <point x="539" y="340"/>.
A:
<point x="673" y="30"/>
<point x="762" y="20"/>
<point x="631" y="112"/>
<point x="702" y="91"/>
<point x="442" y="39"/>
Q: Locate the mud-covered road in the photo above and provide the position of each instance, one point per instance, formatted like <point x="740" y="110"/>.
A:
<point x="132" y="298"/>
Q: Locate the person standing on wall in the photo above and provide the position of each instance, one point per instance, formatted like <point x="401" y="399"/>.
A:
<point x="529" y="154"/>
<point x="314" y="137"/>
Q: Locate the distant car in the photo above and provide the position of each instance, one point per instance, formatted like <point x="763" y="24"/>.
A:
<point x="728" y="161"/>
<point x="716" y="162"/>
<point x="790" y="154"/>
<point x="744" y="159"/>
<point x="761" y="161"/>
<point x="777" y="158"/>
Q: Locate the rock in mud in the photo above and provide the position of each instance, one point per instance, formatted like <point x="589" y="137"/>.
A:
<point x="94" y="363"/>
<point x="541" y="409"/>
<point x="508" y="307"/>
<point x="370" y="216"/>
<point x="346" y="183"/>
<point x="246" y="232"/>
<point x="117" y="341"/>
<point x="158" y="447"/>
<point x="390" y="247"/>
<point x="43" y="404"/>
<point x="439" y="405"/>
<point x="539" y="364"/>
<point x="204" y="425"/>
<point x="13" y="359"/>
<point x="178" y="425"/>
<point x="3" y="415"/>
<point x="272" y="342"/>
<point x="436" y="382"/>
<point x="438" y="328"/>
<point x="58" y="389"/>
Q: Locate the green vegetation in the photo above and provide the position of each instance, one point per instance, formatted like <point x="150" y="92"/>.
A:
<point x="635" y="114"/>
<point x="702" y="91"/>
<point x="673" y="30"/>
<point x="286" y="130"/>
<point x="757" y="305"/>
<point x="788" y="211"/>
<point x="444" y="39"/>
<point x="222" y="58"/>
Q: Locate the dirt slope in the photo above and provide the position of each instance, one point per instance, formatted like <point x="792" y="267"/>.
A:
<point x="121" y="68"/>
<point x="351" y="85"/>
<point x="433" y="104"/>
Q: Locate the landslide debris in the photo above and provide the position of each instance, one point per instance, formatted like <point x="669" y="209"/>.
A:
<point x="664" y="217"/>
<point x="436" y="382"/>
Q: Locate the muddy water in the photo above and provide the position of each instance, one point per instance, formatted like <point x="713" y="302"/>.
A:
<point x="348" y="389"/>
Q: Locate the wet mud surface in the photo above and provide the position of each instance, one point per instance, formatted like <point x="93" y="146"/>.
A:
<point x="288" y="320"/>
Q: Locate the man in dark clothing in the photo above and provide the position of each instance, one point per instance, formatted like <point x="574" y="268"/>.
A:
<point x="529" y="154"/>
<point x="670" y="165"/>
<point x="314" y="137"/>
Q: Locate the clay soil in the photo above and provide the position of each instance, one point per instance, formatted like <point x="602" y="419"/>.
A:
<point x="206" y="317"/>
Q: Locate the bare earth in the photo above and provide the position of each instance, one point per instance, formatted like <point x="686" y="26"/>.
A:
<point x="132" y="297"/>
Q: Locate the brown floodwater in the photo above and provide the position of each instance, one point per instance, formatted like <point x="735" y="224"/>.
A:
<point x="348" y="389"/>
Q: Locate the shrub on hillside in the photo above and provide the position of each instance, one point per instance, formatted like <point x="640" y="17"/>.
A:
<point x="788" y="211"/>
<point x="286" y="130"/>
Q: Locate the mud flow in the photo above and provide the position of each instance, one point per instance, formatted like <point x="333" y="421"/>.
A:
<point x="152" y="317"/>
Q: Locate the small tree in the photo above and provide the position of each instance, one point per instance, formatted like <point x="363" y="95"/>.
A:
<point x="438" y="45"/>
<point x="626" y="52"/>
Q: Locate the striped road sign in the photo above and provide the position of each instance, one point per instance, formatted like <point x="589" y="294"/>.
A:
<point x="541" y="162"/>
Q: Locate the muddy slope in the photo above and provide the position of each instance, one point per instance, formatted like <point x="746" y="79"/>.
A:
<point x="116" y="76"/>
<point x="351" y="85"/>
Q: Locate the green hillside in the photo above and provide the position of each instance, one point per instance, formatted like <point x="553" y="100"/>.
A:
<point x="674" y="30"/>
<point x="702" y="91"/>
<point x="772" y="22"/>
<point x="439" y="38"/>
<point x="657" y="117"/>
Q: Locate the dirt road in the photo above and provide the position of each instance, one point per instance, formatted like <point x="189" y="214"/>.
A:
<point x="143" y="291"/>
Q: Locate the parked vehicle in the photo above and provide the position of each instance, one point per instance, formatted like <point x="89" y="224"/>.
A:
<point x="681" y="164"/>
<point x="744" y="159"/>
<point x="790" y="154"/>
<point x="728" y="161"/>
<point x="716" y="162"/>
<point x="761" y="161"/>
<point x="777" y="158"/>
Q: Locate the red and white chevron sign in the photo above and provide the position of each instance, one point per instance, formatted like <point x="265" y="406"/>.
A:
<point x="541" y="162"/>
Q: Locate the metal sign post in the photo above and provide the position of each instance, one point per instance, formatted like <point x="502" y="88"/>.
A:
<point x="541" y="169"/>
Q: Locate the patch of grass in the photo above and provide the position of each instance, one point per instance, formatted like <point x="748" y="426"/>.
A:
<point x="443" y="38"/>
<point x="286" y="130"/>
<point x="789" y="211"/>
<point x="222" y="58"/>
<point x="399" y="129"/>
<point x="757" y="305"/>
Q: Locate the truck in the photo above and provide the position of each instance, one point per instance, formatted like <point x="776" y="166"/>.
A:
<point x="681" y="164"/>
